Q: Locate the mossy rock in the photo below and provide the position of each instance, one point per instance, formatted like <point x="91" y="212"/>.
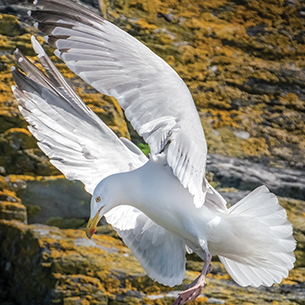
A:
<point x="53" y="198"/>
<point x="12" y="211"/>
<point x="69" y="223"/>
<point x="29" y="161"/>
<point x="48" y="265"/>
<point x="19" y="139"/>
<point x="10" y="119"/>
<point x="244" y="64"/>
<point x="67" y="267"/>
<point x="10" y="26"/>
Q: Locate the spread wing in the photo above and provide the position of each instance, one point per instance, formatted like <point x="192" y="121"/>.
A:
<point x="77" y="142"/>
<point x="155" y="99"/>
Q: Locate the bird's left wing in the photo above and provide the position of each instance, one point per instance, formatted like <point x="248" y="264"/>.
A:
<point x="77" y="142"/>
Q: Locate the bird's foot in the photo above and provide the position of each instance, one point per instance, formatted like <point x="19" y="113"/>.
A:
<point x="192" y="291"/>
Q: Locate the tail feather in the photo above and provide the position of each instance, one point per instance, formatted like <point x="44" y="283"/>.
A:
<point x="260" y="245"/>
<point x="261" y="276"/>
<point x="246" y="275"/>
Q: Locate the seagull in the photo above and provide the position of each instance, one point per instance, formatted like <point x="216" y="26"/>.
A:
<point x="161" y="206"/>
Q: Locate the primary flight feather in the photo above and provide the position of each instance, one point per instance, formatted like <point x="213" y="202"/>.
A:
<point x="160" y="206"/>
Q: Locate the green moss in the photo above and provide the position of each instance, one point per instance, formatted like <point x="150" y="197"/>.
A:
<point x="145" y="148"/>
<point x="72" y="223"/>
<point x="10" y="25"/>
<point x="19" y="139"/>
<point x="131" y="301"/>
<point x="33" y="209"/>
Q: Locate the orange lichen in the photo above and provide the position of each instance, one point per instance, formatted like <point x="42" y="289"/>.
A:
<point x="222" y="117"/>
<point x="8" y="193"/>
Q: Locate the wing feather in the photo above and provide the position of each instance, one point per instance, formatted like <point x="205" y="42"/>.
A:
<point x="147" y="88"/>
<point x="78" y="143"/>
<point x="161" y="253"/>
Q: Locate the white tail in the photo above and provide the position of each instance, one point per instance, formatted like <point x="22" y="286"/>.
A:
<point x="259" y="245"/>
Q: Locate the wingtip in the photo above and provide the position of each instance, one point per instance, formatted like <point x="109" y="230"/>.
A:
<point x="36" y="25"/>
<point x="37" y="47"/>
<point x="17" y="51"/>
<point x="57" y="53"/>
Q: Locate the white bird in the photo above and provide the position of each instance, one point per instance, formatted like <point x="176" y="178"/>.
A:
<point x="162" y="206"/>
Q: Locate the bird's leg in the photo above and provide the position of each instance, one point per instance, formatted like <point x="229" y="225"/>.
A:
<point x="195" y="288"/>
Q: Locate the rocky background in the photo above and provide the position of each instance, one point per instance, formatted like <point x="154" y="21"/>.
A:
<point x="244" y="62"/>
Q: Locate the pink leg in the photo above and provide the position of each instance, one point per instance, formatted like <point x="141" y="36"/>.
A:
<point x="195" y="288"/>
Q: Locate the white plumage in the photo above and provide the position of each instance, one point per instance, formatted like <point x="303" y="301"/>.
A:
<point x="163" y="206"/>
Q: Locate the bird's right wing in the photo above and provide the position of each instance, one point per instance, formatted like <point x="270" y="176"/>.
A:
<point x="77" y="142"/>
<point x="160" y="252"/>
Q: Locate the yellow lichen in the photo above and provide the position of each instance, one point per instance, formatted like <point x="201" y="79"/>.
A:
<point x="112" y="285"/>
<point x="152" y="290"/>
<point x="150" y="6"/>
<point x="142" y="22"/>
<point x="67" y="245"/>
<point x="255" y="147"/>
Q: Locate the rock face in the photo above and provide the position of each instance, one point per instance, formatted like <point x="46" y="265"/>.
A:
<point x="53" y="197"/>
<point x="45" y="265"/>
<point x="247" y="175"/>
<point x="244" y="64"/>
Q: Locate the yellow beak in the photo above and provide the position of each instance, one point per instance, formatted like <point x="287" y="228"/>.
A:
<point x="92" y="223"/>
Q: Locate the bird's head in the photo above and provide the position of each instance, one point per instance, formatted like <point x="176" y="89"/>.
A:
<point x="102" y="201"/>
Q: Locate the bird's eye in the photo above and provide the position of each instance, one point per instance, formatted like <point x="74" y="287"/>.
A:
<point x="98" y="198"/>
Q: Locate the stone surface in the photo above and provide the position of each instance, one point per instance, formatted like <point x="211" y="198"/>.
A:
<point x="247" y="175"/>
<point x="12" y="211"/>
<point x="53" y="266"/>
<point x="244" y="64"/>
<point x="54" y="197"/>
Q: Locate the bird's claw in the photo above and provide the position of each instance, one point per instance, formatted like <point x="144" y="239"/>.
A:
<point x="190" y="294"/>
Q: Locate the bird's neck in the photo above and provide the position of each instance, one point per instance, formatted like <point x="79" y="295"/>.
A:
<point x="125" y="189"/>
